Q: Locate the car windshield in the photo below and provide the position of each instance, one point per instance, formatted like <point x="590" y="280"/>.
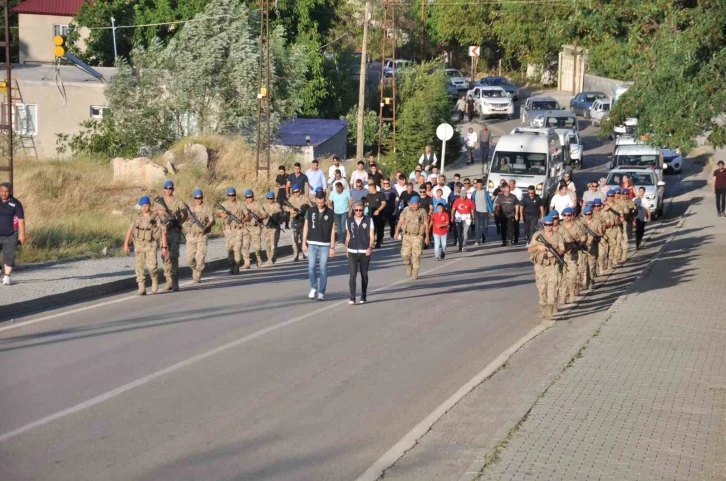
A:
<point x="561" y="122"/>
<point x="605" y="107"/>
<point x="519" y="163"/>
<point x="593" y="97"/>
<point x="453" y="73"/>
<point x="638" y="178"/>
<point x="545" y="106"/>
<point x="639" y="160"/>
<point x="493" y="93"/>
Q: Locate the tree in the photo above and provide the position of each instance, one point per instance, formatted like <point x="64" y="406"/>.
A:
<point x="370" y="128"/>
<point x="99" y="44"/>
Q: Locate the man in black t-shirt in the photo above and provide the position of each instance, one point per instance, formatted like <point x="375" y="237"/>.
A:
<point x="12" y="229"/>
<point x="495" y="194"/>
<point x="376" y="205"/>
<point x="389" y="212"/>
<point x="506" y="206"/>
<point x="532" y="212"/>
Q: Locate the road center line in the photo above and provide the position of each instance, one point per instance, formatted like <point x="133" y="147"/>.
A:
<point x="376" y="471"/>
<point x="192" y="360"/>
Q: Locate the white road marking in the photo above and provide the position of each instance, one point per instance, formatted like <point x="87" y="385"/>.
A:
<point x="378" y="468"/>
<point x="187" y="362"/>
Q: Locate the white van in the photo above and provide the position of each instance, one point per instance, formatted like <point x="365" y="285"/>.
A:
<point x="639" y="156"/>
<point x="530" y="156"/>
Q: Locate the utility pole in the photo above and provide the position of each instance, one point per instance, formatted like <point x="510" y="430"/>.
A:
<point x="263" y="91"/>
<point x="423" y="30"/>
<point x="388" y="85"/>
<point x="7" y="113"/>
<point x="362" y="87"/>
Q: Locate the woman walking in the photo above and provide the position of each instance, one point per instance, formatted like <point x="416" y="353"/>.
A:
<point x="359" y="240"/>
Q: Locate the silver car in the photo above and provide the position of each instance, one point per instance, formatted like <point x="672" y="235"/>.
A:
<point x="646" y="178"/>
<point x="534" y="106"/>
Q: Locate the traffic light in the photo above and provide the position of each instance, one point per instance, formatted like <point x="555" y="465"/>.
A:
<point x="59" y="49"/>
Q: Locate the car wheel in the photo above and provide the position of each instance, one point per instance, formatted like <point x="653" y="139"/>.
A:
<point x="509" y="117"/>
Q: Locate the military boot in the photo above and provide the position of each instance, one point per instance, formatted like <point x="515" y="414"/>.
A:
<point x="196" y="276"/>
<point x="543" y="311"/>
<point x="169" y="284"/>
<point x="414" y="273"/>
<point x="548" y="312"/>
<point x="258" y="256"/>
<point x="231" y="269"/>
<point x="175" y="283"/>
<point x="142" y="289"/>
<point x="409" y="270"/>
<point x="268" y="263"/>
<point x="235" y="268"/>
<point x="297" y="258"/>
<point x="154" y="285"/>
<point x="246" y="265"/>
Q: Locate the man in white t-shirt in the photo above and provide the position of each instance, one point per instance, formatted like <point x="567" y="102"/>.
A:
<point x="514" y="190"/>
<point x="561" y="200"/>
<point x="359" y="174"/>
<point x="442" y="185"/>
<point x="434" y="175"/>
<point x="336" y="166"/>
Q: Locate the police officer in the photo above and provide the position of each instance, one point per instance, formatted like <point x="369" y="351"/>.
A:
<point x="275" y="217"/>
<point x="145" y="232"/>
<point x="173" y="221"/>
<point x="590" y="253"/>
<point x="197" y="234"/>
<point x="414" y="224"/>
<point x="574" y="239"/>
<point x="233" y="229"/>
<point x="546" y="268"/>
<point x="359" y="239"/>
<point x="252" y="236"/>
<point x="299" y="204"/>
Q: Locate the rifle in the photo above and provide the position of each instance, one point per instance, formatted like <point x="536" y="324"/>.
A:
<point x="297" y="211"/>
<point x="169" y="217"/>
<point x="230" y="216"/>
<point x="271" y="221"/>
<point x="552" y="250"/>
<point x="596" y="238"/>
<point x="195" y="220"/>
<point x="258" y="219"/>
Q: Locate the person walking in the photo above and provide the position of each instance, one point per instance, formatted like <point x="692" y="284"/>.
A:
<point x="485" y="137"/>
<point x="462" y="210"/>
<point x="591" y="194"/>
<point x="281" y="186"/>
<point x="296" y="207"/>
<point x="316" y="178"/>
<point x="297" y="178"/>
<point x="719" y="188"/>
<point x="507" y="209"/>
<point x="376" y="205"/>
<point x="532" y="212"/>
<point x="359" y="240"/>
<point x="439" y="225"/>
<point x="252" y="234"/>
<point x="516" y="192"/>
<point x="318" y="242"/>
<point x="389" y="213"/>
<point x="461" y="107"/>
<point x="574" y="238"/>
<point x="642" y="217"/>
<point x="233" y="225"/>
<point x="145" y="233"/>
<point x="470" y="106"/>
<point x="546" y="268"/>
<point x="342" y="207"/>
<point x="591" y="225"/>
<point x="414" y="223"/>
<point x="273" y="215"/>
<point x="175" y="212"/>
<point x="12" y="229"/>
<point x="336" y="166"/>
<point x="483" y="208"/>
<point x="471" y="140"/>
<point x="201" y="220"/>
<point x="359" y="174"/>
<point x="562" y="199"/>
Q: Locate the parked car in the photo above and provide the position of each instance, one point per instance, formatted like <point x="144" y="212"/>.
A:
<point x="457" y="79"/>
<point x="641" y="177"/>
<point x="599" y="111"/>
<point x="581" y="103"/>
<point x="502" y="82"/>
<point x="492" y="101"/>
<point x="672" y="160"/>
<point x="390" y="67"/>
<point x="627" y="127"/>
<point x="534" y="105"/>
<point x="576" y="149"/>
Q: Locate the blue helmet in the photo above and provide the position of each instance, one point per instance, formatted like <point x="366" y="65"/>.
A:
<point x="548" y="219"/>
<point x="611" y="192"/>
<point x="597" y="202"/>
<point x="270" y="195"/>
<point x="414" y="200"/>
<point x="145" y="200"/>
<point x="587" y="210"/>
<point x="168" y="184"/>
<point x="319" y="188"/>
<point x="624" y="191"/>
<point x="567" y="210"/>
<point x="249" y="192"/>
<point x="296" y="187"/>
<point x="198" y="193"/>
<point x="231" y="191"/>
<point x="554" y="213"/>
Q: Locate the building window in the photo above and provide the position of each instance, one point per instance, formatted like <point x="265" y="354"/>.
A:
<point x="61" y="30"/>
<point x="97" y="111"/>
<point x="27" y="119"/>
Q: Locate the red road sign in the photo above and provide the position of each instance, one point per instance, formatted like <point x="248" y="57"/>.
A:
<point x="474" y="51"/>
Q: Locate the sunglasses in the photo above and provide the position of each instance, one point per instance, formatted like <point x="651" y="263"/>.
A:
<point x="589" y="214"/>
<point x="168" y="188"/>
<point x="198" y="198"/>
<point x="548" y="225"/>
<point x="611" y="196"/>
<point x="566" y="215"/>
<point x="385" y="183"/>
<point x="231" y="195"/>
<point x="248" y="197"/>
<point x="357" y="210"/>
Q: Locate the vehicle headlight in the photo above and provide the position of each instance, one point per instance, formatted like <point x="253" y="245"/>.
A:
<point x="538" y="189"/>
<point x="490" y="185"/>
<point x="575" y="149"/>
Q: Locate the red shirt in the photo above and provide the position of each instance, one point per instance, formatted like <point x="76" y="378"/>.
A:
<point x="440" y="219"/>
<point x="719" y="178"/>
<point x="463" y="206"/>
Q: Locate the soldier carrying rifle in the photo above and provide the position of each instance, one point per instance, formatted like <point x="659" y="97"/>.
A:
<point x="545" y="251"/>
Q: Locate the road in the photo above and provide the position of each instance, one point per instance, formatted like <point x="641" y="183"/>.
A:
<point x="245" y="378"/>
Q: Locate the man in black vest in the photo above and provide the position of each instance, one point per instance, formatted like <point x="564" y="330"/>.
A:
<point x="319" y="243"/>
<point x="359" y="239"/>
<point x="428" y="159"/>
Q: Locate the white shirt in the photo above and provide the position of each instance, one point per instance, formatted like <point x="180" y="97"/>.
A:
<point x="518" y="193"/>
<point x="331" y="172"/>
<point x="433" y="178"/>
<point x="399" y="189"/>
<point x="560" y="202"/>
<point x="643" y="206"/>
<point x="445" y="188"/>
<point x="358" y="174"/>
<point x="471" y="139"/>
<point x="434" y="160"/>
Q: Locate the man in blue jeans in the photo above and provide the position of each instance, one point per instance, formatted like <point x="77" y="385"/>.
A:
<point x="342" y="205"/>
<point x="483" y="208"/>
<point x="319" y="243"/>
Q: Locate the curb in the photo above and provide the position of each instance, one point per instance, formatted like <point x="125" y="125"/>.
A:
<point x="75" y="296"/>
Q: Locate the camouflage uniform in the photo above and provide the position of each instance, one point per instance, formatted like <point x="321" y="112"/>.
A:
<point x="252" y="235"/>
<point x="626" y="206"/>
<point x="298" y="201"/>
<point x="614" y="235"/>
<point x="546" y="272"/>
<point x="603" y="246"/>
<point x="173" y="238"/>
<point x="272" y="236"/>
<point x="233" y="235"/>
<point x="145" y="235"/>
<point x="197" y="239"/>
<point x="569" y="287"/>
<point x="414" y="230"/>
<point x="590" y="256"/>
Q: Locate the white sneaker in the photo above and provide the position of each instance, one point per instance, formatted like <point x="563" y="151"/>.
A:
<point x="312" y="294"/>
<point x="6" y="280"/>
<point x="362" y="301"/>
<point x="321" y="296"/>
<point x="351" y="301"/>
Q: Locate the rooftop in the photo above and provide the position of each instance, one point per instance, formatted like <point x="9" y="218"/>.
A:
<point x="67" y="8"/>
<point x="293" y="132"/>
<point x="69" y="74"/>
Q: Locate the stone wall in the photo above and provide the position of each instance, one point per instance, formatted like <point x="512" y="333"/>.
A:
<point x="593" y="83"/>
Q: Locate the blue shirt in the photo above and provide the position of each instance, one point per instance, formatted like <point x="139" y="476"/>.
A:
<point x="340" y="201"/>
<point x="441" y="201"/>
<point x="358" y="194"/>
<point x="316" y="178"/>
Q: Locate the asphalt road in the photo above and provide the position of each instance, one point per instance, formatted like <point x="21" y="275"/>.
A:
<point x="245" y="378"/>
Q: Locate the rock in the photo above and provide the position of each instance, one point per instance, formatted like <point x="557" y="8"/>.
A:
<point x="197" y="154"/>
<point x="140" y="171"/>
<point x="170" y="161"/>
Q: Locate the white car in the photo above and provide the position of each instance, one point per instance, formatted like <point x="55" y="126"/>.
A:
<point x="626" y="128"/>
<point x="575" y="149"/>
<point x="672" y="160"/>
<point x="599" y="111"/>
<point x="390" y="67"/>
<point x="492" y="101"/>
<point x="641" y="177"/>
<point x="457" y="79"/>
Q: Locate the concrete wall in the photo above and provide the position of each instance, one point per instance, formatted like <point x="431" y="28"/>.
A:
<point x="571" y="69"/>
<point x="36" y="36"/>
<point x="593" y="83"/>
<point x="53" y="117"/>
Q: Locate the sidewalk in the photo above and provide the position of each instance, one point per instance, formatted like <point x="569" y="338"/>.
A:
<point x="646" y="397"/>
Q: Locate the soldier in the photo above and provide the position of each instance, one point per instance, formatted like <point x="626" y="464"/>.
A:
<point x="614" y="219"/>
<point x="145" y="232"/>
<point x="604" y="245"/>
<point x="233" y="229"/>
<point x="590" y="253"/>
<point x="174" y="215"/>
<point x="628" y="208"/>
<point x="197" y="235"/>
<point x="414" y="224"/>
<point x="275" y="217"/>
<point x="574" y="240"/>
<point x="252" y="234"/>
<point x="546" y="268"/>
<point x="298" y="205"/>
